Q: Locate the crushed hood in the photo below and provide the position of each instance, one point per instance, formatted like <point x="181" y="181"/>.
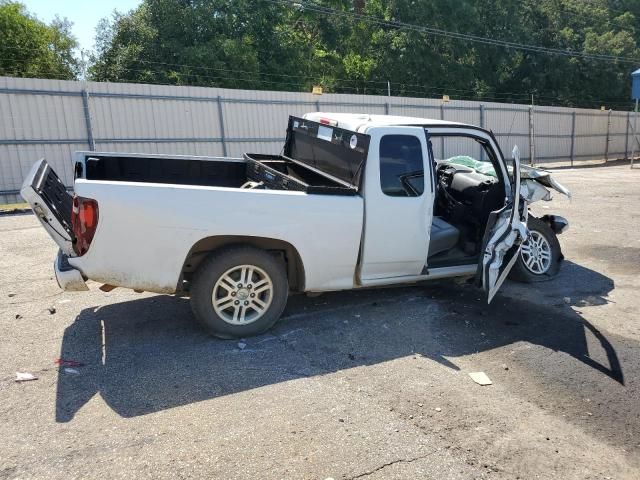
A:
<point x="531" y="178"/>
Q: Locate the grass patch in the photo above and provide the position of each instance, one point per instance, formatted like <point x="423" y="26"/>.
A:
<point x="13" y="206"/>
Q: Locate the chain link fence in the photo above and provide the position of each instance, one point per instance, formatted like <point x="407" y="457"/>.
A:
<point x="53" y="118"/>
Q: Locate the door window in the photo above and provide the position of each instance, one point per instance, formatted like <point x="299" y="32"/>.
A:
<point x="401" y="166"/>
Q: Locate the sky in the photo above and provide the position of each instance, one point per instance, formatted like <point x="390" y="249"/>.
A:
<point x="85" y="15"/>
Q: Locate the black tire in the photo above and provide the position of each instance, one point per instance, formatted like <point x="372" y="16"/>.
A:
<point x="521" y="273"/>
<point x="214" y="267"/>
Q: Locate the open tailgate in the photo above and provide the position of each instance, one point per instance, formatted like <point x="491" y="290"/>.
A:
<point x="51" y="203"/>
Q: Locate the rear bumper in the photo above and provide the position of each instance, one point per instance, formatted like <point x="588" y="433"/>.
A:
<point x="69" y="279"/>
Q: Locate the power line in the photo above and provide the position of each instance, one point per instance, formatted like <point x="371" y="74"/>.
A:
<point x="339" y="83"/>
<point x="314" y="7"/>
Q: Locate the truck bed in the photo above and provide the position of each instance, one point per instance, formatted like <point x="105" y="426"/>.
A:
<point x="270" y="172"/>
<point x="214" y="172"/>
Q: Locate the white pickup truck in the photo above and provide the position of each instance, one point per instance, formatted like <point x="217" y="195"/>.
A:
<point x="353" y="201"/>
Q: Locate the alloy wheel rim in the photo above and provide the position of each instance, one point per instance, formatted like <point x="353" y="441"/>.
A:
<point x="242" y="294"/>
<point x="536" y="253"/>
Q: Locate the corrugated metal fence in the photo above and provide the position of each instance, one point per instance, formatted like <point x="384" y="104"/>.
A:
<point x="52" y="118"/>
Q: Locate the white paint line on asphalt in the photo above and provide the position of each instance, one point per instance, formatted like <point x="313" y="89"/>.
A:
<point x="104" y="342"/>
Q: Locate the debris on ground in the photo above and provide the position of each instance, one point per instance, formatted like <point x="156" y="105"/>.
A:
<point x="11" y="295"/>
<point x="18" y="316"/>
<point x="505" y="366"/>
<point x="242" y="345"/>
<point x="52" y="310"/>
<point x="25" y="377"/>
<point x="67" y="363"/>
<point x="438" y="409"/>
<point x="567" y="300"/>
<point x="480" y="378"/>
<point x="72" y="371"/>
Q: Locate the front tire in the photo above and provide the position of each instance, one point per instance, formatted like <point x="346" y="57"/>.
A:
<point x="239" y="292"/>
<point x="540" y="256"/>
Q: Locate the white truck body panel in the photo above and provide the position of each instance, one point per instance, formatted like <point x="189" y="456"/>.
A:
<point x="396" y="233"/>
<point x="146" y="230"/>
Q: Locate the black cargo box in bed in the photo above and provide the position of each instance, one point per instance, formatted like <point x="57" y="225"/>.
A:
<point x="316" y="158"/>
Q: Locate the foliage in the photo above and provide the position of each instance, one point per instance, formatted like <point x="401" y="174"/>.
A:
<point x="267" y="44"/>
<point x="30" y="48"/>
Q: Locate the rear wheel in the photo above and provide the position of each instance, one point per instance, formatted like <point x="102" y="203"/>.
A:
<point x="239" y="292"/>
<point x="540" y="255"/>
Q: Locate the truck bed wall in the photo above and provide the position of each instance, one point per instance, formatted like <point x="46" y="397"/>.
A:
<point x="180" y="171"/>
<point x="146" y="230"/>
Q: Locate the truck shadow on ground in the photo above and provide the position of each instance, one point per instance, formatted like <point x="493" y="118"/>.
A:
<point x="148" y="355"/>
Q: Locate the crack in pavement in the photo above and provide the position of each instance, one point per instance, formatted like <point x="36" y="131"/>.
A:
<point x="393" y="462"/>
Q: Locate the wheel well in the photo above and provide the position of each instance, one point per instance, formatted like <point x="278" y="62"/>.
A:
<point x="205" y="246"/>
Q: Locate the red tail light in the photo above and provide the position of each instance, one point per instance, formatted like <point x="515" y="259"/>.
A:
<point x="84" y="221"/>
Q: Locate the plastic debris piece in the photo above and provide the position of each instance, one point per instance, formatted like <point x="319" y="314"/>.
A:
<point x="71" y="370"/>
<point x="242" y="345"/>
<point x="438" y="409"/>
<point x="480" y="378"/>
<point x="25" y="377"/>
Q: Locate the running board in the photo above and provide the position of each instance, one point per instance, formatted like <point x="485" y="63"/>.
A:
<point x="434" y="274"/>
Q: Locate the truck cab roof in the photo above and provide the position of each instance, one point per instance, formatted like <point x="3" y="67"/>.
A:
<point x="360" y="122"/>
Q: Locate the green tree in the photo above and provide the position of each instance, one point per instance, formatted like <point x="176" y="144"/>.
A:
<point x="275" y="45"/>
<point x="206" y="42"/>
<point x="31" y="48"/>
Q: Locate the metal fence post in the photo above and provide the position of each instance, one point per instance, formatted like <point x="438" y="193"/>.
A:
<point x="442" y="138"/>
<point x="386" y="108"/>
<point x="481" y="108"/>
<point x="221" y="120"/>
<point x="573" y="137"/>
<point x="626" y="137"/>
<point x="87" y="120"/>
<point x="317" y="105"/>
<point x="532" y="148"/>
<point x="606" y="147"/>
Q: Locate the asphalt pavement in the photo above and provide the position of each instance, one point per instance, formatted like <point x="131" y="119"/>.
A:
<point x="360" y="384"/>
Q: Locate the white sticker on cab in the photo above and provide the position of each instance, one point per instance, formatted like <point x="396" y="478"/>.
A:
<point x="325" y="133"/>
